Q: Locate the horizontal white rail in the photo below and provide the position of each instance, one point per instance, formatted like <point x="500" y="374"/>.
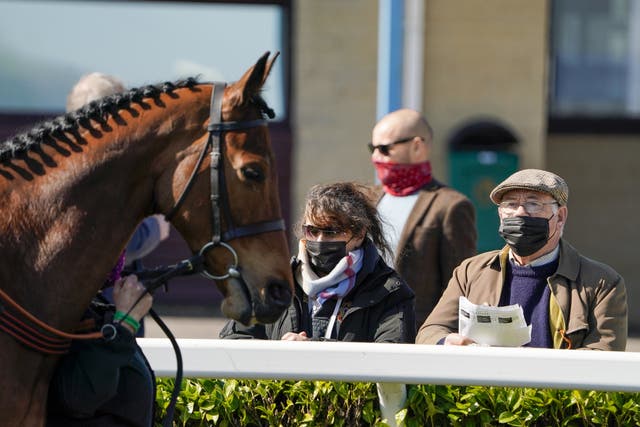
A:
<point x="397" y="363"/>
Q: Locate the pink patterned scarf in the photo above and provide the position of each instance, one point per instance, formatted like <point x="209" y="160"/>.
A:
<point x="337" y="283"/>
<point x="402" y="179"/>
<point x="116" y="272"/>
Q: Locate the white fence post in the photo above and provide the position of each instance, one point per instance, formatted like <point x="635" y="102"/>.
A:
<point x="392" y="397"/>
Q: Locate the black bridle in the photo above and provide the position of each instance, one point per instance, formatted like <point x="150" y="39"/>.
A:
<point x="157" y="277"/>
<point x="218" y="188"/>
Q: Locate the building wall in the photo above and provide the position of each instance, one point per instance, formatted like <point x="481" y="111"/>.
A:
<point x="482" y="59"/>
<point x="486" y="59"/>
<point x="602" y="173"/>
<point x="334" y="92"/>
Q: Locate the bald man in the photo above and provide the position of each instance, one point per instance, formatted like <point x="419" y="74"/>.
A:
<point x="430" y="227"/>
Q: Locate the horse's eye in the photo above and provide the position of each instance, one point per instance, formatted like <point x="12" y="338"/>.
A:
<point x="253" y="173"/>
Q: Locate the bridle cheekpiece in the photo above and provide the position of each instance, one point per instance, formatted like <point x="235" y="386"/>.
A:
<point x="218" y="191"/>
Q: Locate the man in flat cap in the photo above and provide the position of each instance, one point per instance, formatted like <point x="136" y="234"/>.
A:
<point x="569" y="300"/>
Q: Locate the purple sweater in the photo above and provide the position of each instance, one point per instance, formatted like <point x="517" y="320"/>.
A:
<point x="527" y="286"/>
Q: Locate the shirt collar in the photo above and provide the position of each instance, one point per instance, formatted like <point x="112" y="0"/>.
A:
<point x="544" y="259"/>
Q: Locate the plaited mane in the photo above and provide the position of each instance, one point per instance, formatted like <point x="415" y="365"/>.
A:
<point x="98" y="111"/>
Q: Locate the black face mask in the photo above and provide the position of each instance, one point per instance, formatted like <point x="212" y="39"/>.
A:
<point x="325" y="255"/>
<point x="525" y="234"/>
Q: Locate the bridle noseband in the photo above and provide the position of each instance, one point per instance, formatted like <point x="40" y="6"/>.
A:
<point x="219" y="190"/>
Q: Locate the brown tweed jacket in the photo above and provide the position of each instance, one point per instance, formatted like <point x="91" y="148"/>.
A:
<point x="440" y="232"/>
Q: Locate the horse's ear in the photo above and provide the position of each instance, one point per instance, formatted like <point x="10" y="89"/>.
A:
<point x="252" y="80"/>
<point x="267" y="68"/>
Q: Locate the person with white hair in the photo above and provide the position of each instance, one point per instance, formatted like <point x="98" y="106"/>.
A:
<point x="91" y="87"/>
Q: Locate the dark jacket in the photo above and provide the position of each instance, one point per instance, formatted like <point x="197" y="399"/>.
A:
<point x="439" y="233"/>
<point x="102" y="383"/>
<point x="378" y="309"/>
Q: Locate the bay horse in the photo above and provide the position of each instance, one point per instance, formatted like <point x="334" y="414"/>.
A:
<point x="73" y="190"/>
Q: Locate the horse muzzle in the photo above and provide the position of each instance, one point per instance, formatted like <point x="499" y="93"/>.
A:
<point x="248" y="305"/>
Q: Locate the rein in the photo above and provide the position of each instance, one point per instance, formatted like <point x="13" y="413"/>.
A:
<point x="33" y="332"/>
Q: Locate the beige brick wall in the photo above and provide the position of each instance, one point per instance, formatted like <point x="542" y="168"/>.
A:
<point x="482" y="59"/>
<point x="487" y="59"/>
<point x="335" y="54"/>
<point x="603" y="175"/>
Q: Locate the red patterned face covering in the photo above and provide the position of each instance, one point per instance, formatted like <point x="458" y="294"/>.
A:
<point x="402" y="179"/>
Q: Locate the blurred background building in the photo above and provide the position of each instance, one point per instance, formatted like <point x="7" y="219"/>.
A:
<point x="506" y="84"/>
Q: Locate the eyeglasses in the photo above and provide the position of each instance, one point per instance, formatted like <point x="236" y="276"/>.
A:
<point x="384" y="148"/>
<point x="313" y="232"/>
<point x="532" y="207"/>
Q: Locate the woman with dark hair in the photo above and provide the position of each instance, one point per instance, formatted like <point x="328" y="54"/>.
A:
<point x="343" y="289"/>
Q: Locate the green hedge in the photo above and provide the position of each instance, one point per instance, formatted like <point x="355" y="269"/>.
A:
<point x="322" y="403"/>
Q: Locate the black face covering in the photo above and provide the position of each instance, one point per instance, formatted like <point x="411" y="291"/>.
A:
<point x="325" y="255"/>
<point x="525" y="234"/>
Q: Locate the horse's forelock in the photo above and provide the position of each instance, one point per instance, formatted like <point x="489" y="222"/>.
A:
<point x="265" y="110"/>
<point x="255" y="101"/>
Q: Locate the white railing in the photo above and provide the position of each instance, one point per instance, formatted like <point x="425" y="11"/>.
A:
<point x="397" y="363"/>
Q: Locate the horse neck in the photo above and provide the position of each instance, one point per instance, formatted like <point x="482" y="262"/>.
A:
<point x="66" y="228"/>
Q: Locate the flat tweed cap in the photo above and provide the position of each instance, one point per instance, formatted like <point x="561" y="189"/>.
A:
<point x="536" y="180"/>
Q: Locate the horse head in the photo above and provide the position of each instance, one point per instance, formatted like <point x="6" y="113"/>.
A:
<point x="247" y="254"/>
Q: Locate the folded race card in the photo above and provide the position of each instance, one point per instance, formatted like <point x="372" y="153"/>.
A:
<point x="494" y="326"/>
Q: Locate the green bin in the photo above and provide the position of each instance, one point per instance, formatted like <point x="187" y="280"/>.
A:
<point x="475" y="173"/>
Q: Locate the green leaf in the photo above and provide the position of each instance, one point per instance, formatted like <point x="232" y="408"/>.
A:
<point x="507" y="417"/>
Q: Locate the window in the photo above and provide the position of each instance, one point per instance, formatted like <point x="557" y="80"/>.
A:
<point x="595" y="59"/>
<point x="46" y="46"/>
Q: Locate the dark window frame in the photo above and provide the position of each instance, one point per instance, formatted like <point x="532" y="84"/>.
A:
<point x="593" y="125"/>
<point x="196" y="291"/>
<point x="12" y="123"/>
<point x="582" y="124"/>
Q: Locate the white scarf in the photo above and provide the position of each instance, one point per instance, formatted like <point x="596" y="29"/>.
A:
<point x="337" y="283"/>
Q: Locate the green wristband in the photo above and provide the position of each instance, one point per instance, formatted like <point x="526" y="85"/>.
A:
<point x="123" y="317"/>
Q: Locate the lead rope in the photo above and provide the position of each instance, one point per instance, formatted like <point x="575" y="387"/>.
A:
<point x="168" y="418"/>
<point x="155" y="279"/>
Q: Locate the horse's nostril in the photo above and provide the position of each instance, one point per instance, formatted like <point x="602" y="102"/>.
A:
<point x="279" y="293"/>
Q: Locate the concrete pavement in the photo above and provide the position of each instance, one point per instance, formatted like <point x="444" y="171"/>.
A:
<point x="186" y="327"/>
